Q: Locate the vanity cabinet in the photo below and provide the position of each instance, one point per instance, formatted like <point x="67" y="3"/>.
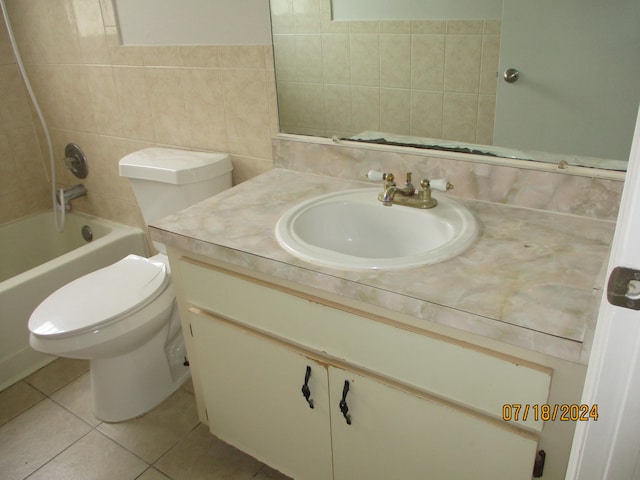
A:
<point x="385" y="401"/>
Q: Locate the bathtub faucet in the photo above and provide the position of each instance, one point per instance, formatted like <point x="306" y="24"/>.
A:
<point x="71" y="193"/>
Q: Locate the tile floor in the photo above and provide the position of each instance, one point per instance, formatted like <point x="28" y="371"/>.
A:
<point x="47" y="431"/>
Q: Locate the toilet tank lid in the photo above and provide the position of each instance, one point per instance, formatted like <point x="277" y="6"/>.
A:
<point x="174" y="166"/>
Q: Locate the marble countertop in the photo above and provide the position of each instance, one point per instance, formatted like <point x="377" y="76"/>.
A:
<point x="532" y="278"/>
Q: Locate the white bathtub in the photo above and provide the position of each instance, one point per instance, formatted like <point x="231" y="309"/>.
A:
<point x="36" y="260"/>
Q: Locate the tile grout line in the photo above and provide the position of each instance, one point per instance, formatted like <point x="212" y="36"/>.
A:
<point x="57" y="454"/>
<point x="49" y="396"/>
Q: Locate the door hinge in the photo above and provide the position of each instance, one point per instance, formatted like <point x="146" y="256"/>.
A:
<point x="538" y="464"/>
<point x="623" y="289"/>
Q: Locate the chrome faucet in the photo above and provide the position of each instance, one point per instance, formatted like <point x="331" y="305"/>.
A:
<point x="69" y="194"/>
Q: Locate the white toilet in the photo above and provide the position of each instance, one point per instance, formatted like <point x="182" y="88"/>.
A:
<point x="123" y="318"/>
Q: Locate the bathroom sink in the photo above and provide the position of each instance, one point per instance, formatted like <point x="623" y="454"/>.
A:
<point x="352" y="230"/>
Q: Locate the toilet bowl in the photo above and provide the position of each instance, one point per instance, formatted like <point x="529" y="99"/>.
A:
<point x="123" y="318"/>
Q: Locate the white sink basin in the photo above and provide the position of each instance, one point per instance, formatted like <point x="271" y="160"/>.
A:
<point x="352" y="230"/>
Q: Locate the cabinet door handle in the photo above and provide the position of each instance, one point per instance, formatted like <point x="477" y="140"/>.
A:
<point x="306" y="391"/>
<point x="344" y="408"/>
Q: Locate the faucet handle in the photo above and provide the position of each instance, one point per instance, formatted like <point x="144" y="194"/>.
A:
<point x="440" y="184"/>
<point x="387" y="177"/>
<point x="375" y="175"/>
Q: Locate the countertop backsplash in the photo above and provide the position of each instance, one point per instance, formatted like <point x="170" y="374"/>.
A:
<point x="553" y="188"/>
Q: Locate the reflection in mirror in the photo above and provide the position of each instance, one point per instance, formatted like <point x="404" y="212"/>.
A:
<point x="192" y="22"/>
<point x="436" y="80"/>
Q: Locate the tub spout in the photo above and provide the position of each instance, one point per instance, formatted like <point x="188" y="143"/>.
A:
<point x="71" y="193"/>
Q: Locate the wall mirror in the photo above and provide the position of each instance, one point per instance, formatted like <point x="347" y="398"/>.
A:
<point x="537" y="80"/>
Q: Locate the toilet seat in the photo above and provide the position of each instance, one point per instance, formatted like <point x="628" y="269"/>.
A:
<point x="100" y="298"/>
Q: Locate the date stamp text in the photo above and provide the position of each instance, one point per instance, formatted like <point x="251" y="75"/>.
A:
<point x="515" y="412"/>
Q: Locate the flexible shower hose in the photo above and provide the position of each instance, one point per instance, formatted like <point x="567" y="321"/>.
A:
<point x="59" y="222"/>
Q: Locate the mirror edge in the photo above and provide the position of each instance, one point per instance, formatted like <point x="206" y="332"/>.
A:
<point x="564" y="169"/>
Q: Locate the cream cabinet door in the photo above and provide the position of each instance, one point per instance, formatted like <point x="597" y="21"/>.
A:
<point x="254" y="400"/>
<point x="392" y="433"/>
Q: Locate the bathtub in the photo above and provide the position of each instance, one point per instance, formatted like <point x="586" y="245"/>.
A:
<point x="36" y="260"/>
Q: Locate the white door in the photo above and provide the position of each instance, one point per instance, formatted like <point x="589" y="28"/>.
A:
<point x="609" y="449"/>
<point x="565" y="51"/>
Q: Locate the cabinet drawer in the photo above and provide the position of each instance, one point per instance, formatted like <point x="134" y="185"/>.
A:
<point x="460" y="372"/>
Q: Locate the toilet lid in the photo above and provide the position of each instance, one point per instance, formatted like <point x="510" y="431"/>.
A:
<point x="99" y="297"/>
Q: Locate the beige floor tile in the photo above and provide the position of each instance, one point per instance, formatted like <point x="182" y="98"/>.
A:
<point x="57" y="374"/>
<point x="94" y="457"/>
<point x="202" y="456"/>
<point x="31" y="439"/>
<point x="188" y="386"/>
<point x="76" y="397"/>
<point x="16" y="399"/>
<point x="152" y="474"/>
<point x="268" y="473"/>
<point x="156" y="432"/>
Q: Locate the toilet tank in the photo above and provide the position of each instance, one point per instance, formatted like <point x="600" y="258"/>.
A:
<point x="166" y="181"/>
